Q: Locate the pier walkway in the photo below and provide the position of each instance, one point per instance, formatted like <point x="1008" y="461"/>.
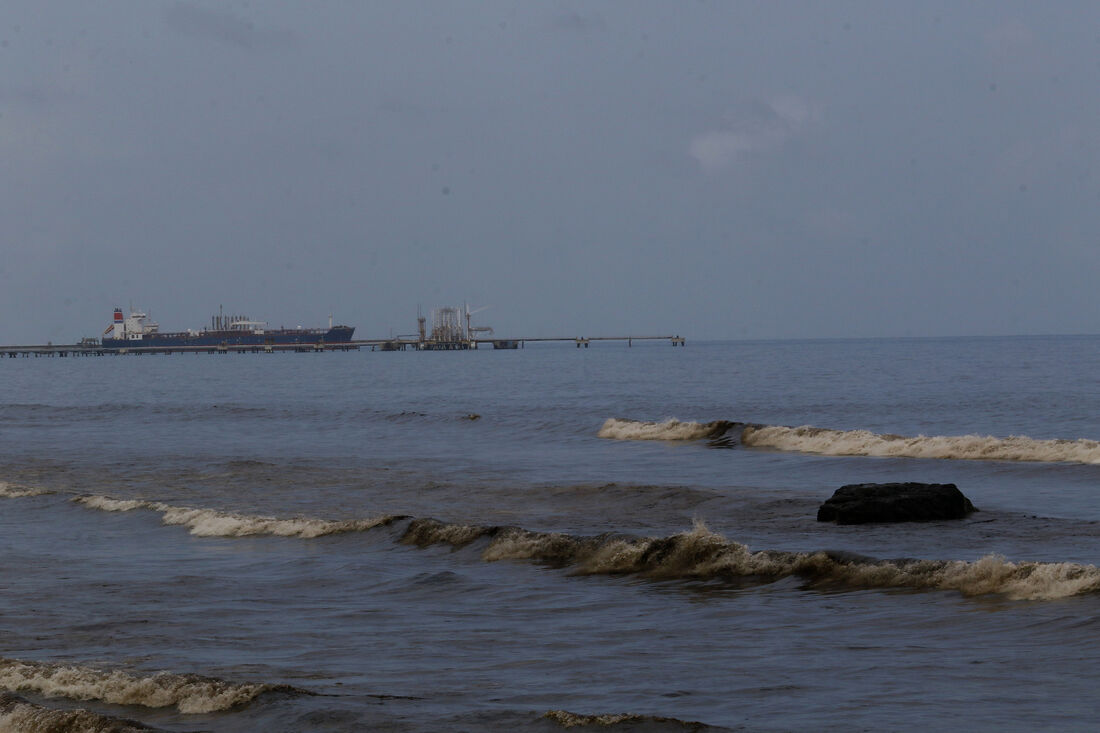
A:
<point x="394" y="344"/>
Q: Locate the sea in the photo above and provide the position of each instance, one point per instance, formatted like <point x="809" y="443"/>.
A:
<point x="619" y="537"/>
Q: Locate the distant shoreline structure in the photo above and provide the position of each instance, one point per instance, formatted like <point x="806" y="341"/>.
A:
<point x="451" y="330"/>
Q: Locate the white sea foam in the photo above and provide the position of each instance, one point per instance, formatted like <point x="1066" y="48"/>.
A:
<point x="212" y="523"/>
<point x="187" y="693"/>
<point x="14" y="491"/>
<point x="807" y="439"/>
<point x="671" y="429"/>
<point x="107" y="504"/>
<point x="209" y="523"/>
<point x="823" y="441"/>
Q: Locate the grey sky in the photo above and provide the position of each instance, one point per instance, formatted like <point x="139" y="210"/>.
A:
<point x="717" y="169"/>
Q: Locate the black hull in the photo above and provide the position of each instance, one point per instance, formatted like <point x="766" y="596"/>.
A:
<point x="281" y="337"/>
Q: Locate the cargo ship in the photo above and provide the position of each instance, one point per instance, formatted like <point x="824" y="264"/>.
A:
<point x="137" y="331"/>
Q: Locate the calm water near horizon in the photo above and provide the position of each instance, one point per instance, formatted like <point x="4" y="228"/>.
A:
<point x="502" y="540"/>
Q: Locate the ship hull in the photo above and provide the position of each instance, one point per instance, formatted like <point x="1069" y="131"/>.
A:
<point x="281" y="337"/>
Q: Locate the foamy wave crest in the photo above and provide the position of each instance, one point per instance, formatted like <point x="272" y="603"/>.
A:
<point x="671" y="429"/>
<point x="12" y="491"/>
<point x="107" y="504"/>
<point x="566" y="719"/>
<point x="187" y="693"/>
<point x="702" y="554"/>
<point x="212" y="523"/>
<point x="808" y="439"/>
<point x="209" y="523"/>
<point x="16" y="714"/>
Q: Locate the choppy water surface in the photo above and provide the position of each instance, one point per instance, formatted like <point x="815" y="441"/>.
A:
<point x="549" y="538"/>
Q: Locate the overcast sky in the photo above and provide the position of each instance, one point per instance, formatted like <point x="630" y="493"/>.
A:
<point x="714" y="169"/>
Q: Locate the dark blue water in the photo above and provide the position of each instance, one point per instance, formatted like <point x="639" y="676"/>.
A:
<point x="254" y="555"/>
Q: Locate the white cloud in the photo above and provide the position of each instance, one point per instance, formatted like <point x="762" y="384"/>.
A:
<point x="718" y="149"/>
<point x="795" y="111"/>
<point x="781" y="118"/>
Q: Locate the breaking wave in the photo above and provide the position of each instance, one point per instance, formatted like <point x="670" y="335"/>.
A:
<point x="12" y="491"/>
<point x="187" y="693"/>
<point x="211" y="523"/>
<point x="671" y="429"/>
<point x="702" y="554"/>
<point x="566" y="719"/>
<point x="16" y="714"/>
<point x="824" y="441"/>
<point x="698" y="554"/>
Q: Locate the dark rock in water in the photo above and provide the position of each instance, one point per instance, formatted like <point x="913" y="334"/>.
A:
<point x="903" y="502"/>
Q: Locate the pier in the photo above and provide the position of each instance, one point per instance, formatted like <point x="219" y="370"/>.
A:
<point x="88" y="348"/>
<point x="451" y="330"/>
<point x="402" y="343"/>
